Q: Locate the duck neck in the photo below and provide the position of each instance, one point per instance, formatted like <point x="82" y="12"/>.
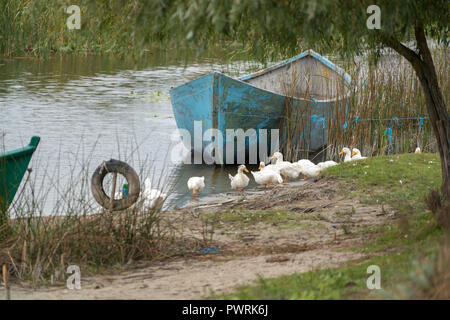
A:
<point x="347" y="156"/>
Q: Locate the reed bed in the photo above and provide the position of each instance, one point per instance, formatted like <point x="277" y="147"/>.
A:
<point x="295" y="121"/>
<point x="121" y="27"/>
<point x="38" y="28"/>
<point x="39" y="244"/>
<point x="384" y="114"/>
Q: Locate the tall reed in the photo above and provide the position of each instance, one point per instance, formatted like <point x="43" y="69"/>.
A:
<point x="386" y="113"/>
<point x="39" y="28"/>
<point x="44" y="239"/>
<point x="122" y="27"/>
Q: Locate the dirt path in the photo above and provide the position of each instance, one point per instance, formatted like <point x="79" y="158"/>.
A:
<point x="296" y="228"/>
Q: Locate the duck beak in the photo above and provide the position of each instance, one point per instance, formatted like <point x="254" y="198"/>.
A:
<point x="272" y="157"/>
<point x="419" y="151"/>
<point x="260" y="167"/>
<point x="341" y="152"/>
<point x="353" y="153"/>
<point x="245" y="169"/>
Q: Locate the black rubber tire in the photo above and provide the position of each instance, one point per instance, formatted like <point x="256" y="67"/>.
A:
<point x="134" y="185"/>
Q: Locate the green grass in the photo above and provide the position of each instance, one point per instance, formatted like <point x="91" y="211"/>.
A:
<point x="320" y="284"/>
<point x="345" y="282"/>
<point x="246" y="218"/>
<point x="377" y="179"/>
<point x="397" y="247"/>
<point x="418" y="230"/>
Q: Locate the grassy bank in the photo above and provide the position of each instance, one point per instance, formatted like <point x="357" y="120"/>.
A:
<point x="413" y="254"/>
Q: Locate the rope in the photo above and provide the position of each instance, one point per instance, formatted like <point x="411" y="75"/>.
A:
<point x="420" y="124"/>
<point x="388" y="131"/>
<point x="317" y="119"/>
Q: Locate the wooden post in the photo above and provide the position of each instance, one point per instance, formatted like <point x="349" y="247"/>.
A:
<point x="5" y="281"/>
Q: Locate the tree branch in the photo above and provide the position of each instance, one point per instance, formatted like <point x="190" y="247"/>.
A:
<point x="402" y="50"/>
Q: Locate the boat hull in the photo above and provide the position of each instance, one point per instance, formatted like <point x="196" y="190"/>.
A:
<point x="13" y="165"/>
<point x="219" y="102"/>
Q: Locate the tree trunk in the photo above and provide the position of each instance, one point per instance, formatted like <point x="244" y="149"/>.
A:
<point x="437" y="110"/>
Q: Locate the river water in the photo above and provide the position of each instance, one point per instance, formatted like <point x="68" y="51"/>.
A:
<point x="89" y="109"/>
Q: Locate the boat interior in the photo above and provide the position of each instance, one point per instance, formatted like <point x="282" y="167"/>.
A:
<point x="304" y="78"/>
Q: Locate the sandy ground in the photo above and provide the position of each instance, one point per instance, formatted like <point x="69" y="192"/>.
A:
<point x="320" y="231"/>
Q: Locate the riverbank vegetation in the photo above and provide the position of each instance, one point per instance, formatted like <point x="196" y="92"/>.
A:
<point x="42" y="236"/>
<point x="38" y="28"/>
<point x="387" y="113"/>
<point x="412" y="253"/>
<point x="122" y="28"/>
<point x="384" y="114"/>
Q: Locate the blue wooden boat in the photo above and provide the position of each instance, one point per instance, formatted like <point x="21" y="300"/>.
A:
<point x="257" y="101"/>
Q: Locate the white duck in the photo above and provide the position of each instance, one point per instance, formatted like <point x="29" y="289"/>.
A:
<point x="286" y="168"/>
<point x="348" y="154"/>
<point x="240" y="180"/>
<point x="262" y="166"/>
<point x="418" y="150"/>
<point x="196" y="184"/>
<point x="153" y="198"/>
<point x="356" y="155"/>
<point x="305" y="163"/>
<point x="326" y="164"/>
<point x="310" y="171"/>
<point x="267" y="177"/>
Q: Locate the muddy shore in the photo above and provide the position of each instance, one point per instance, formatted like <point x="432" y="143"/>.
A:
<point x="299" y="227"/>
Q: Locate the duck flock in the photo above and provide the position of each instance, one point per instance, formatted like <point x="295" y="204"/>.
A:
<point x="270" y="174"/>
<point x="276" y="173"/>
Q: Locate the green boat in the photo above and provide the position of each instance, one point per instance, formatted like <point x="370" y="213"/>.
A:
<point x="13" y="165"/>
